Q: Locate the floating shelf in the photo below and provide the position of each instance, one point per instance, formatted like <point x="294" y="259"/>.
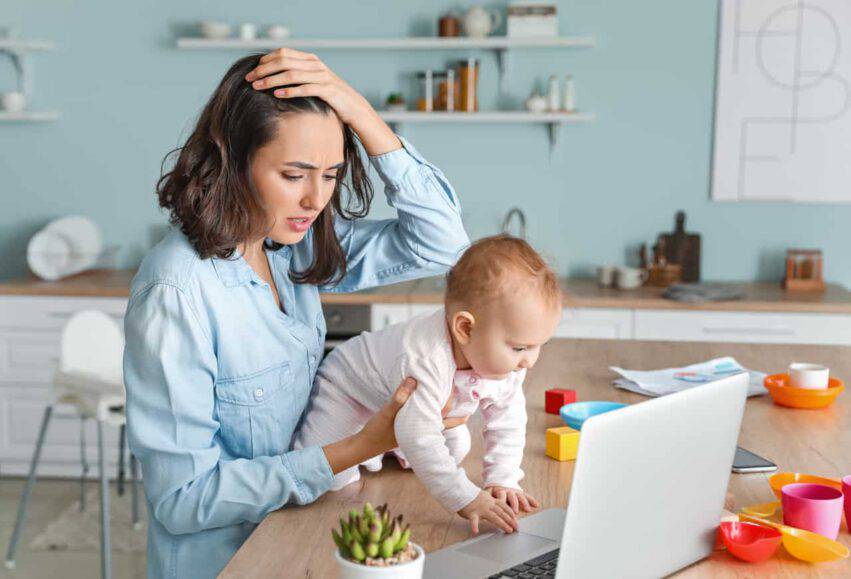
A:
<point x="29" y="116"/>
<point x="554" y="121"/>
<point x="411" y="43"/>
<point x="16" y="45"/>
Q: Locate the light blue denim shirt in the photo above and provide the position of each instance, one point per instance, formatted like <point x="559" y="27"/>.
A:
<point x="217" y="376"/>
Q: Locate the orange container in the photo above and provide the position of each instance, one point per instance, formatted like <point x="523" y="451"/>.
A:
<point x="781" y="479"/>
<point x="785" y="395"/>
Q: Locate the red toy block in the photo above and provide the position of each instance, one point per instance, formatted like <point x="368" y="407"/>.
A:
<point x="558" y="397"/>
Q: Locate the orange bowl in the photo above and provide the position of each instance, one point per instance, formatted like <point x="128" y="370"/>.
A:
<point x="781" y="479"/>
<point x="785" y="395"/>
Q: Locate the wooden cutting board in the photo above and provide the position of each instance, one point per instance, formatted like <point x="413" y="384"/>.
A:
<point x="683" y="248"/>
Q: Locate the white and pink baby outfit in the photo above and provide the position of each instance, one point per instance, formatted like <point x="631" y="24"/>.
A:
<point x="359" y="377"/>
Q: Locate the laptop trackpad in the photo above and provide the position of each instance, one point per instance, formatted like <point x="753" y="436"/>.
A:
<point x="511" y="549"/>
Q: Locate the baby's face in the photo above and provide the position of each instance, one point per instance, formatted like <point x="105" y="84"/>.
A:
<point x="509" y="332"/>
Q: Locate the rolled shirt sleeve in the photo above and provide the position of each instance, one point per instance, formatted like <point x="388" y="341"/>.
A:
<point x="170" y="372"/>
<point x="426" y="237"/>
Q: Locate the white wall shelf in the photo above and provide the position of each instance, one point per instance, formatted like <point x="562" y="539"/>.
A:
<point x="29" y="116"/>
<point x="412" y="43"/>
<point x="18" y="50"/>
<point x="553" y="121"/>
<point x="501" y="44"/>
<point x="16" y="45"/>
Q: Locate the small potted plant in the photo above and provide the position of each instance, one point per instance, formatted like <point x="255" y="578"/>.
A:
<point x="396" y="102"/>
<point x="373" y="544"/>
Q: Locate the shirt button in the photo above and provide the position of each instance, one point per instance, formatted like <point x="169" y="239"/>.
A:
<point x="474" y="380"/>
<point x="258" y="393"/>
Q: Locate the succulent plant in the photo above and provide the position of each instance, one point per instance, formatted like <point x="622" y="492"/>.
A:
<point x="372" y="536"/>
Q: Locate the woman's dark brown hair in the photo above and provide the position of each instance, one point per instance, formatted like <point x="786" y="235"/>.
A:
<point x="209" y="194"/>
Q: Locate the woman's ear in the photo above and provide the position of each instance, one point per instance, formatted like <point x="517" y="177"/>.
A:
<point x="461" y="326"/>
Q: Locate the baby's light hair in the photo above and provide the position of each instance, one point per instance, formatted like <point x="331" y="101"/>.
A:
<point x="496" y="265"/>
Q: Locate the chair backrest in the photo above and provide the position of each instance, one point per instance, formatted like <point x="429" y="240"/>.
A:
<point x="93" y="343"/>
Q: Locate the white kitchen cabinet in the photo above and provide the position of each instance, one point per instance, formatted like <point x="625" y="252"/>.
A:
<point x="596" y="323"/>
<point x="750" y="327"/>
<point x="30" y="333"/>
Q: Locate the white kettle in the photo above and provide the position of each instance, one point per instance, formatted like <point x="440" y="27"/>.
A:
<point x="479" y="22"/>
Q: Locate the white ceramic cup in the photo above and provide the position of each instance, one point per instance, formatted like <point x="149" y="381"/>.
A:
<point x="13" y="102"/>
<point x="606" y="276"/>
<point x="809" y="376"/>
<point x="630" y="277"/>
<point x="247" y="31"/>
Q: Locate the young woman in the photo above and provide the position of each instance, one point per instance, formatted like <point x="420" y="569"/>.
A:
<point x="224" y="326"/>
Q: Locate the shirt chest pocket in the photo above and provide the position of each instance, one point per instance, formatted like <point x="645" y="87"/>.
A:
<point x="257" y="412"/>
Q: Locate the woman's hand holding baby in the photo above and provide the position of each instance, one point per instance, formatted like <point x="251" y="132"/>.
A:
<point x="517" y="499"/>
<point x="487" y="508"/>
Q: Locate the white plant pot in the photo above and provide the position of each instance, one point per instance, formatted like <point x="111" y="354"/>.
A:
<point x="411" y="570"/>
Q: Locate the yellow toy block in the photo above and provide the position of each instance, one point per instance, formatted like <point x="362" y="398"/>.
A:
<point x="562" y="443"/>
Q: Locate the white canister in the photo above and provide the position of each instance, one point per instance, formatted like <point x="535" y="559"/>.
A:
<point x="809" y="376"/>
<point x="410" y="570"/>
<point x="569" y="102"/>
<point x="553" y="99"/>
<point x="277" y="32"/>
<point x="247" y="31"/>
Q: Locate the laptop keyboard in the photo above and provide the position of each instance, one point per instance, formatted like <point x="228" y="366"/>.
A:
<point x="541" y="567"/>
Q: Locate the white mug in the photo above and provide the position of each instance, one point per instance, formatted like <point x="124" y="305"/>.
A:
<point x="630" y="277"/>
<point x="809" y="376"/>
<point x="13" y="102"/>
<point x="606" y="276"/>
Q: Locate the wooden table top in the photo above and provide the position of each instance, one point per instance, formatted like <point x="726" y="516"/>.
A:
<point x="295" y="541"/>
<point x="578" y="293"/>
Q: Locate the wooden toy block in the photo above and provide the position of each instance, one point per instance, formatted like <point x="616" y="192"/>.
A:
<point x="558" y="397"/>
<point x="562" y="443"/>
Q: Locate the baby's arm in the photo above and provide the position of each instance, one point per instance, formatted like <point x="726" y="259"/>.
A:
<point x="419" y="433"/>
<point x="504" y="434"/>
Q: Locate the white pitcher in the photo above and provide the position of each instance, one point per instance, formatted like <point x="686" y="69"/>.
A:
<point x="479" y="22"/>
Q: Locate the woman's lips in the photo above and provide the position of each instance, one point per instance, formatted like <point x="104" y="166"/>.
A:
<point x="300" y="224"/>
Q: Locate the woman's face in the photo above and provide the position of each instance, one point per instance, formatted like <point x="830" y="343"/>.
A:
<point x="295" y="173"/>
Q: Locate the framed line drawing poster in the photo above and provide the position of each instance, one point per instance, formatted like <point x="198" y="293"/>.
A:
<point x="783" y="101"/>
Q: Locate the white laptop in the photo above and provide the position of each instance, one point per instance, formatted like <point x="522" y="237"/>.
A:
<point x="647" y="494"/>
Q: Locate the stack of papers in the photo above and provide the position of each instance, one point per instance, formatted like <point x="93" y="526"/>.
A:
<point x="670" y="380"/>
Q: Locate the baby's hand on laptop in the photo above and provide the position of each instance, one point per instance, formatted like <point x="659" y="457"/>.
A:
<point x="486" y="508"/>
<point x="517" y="499"/>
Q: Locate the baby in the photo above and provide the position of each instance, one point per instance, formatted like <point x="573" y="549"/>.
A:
<point x="502" y="304"/>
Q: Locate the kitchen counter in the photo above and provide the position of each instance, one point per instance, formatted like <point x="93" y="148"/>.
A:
<point x="296" y="541"/>
<point x="579" y="293"/>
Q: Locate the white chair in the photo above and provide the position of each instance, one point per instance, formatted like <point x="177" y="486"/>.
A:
<point x="89" y="380"/>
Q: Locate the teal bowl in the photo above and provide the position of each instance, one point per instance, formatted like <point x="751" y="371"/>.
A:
<point x="575" y="415"/>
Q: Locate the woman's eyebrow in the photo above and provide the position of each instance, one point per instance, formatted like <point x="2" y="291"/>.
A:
<point x="309" y="167"/>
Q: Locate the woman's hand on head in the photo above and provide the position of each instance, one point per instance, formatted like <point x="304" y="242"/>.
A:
<point x="284" y="67"/>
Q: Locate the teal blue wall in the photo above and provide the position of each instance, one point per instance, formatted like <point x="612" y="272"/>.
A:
<point x="127" y="97"/>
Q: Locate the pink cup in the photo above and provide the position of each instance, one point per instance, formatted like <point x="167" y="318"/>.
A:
<point x="816" y="508"/>
<point x="846" y="490"/>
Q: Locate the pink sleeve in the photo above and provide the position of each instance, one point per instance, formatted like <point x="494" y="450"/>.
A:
<point x="504" y="434"/>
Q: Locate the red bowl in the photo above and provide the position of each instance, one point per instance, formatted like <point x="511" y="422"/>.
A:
<point x="748" y="541"/>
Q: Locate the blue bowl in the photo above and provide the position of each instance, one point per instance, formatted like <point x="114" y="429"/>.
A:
<point x="574" y="415"/>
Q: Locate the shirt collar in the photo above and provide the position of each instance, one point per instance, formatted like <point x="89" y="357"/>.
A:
<point x="235" y="271"/>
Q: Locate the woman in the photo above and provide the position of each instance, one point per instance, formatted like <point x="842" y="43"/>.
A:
<point x="224" y="326"/>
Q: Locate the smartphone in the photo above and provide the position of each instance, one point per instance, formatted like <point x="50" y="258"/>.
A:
<point x="746" y="461"/>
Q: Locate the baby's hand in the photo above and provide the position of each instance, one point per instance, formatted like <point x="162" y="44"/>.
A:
<point x="485" y="507"/>
<point x="515" y="498"/>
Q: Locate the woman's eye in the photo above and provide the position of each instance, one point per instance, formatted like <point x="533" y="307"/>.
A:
<point x="330" y="177"/>
<point x="291" y="177"/>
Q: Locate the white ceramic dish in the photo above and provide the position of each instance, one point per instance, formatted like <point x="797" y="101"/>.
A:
<point x="64" y="247"/>
<point x="411" y="570"/>
<point x="216" y="30"/>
